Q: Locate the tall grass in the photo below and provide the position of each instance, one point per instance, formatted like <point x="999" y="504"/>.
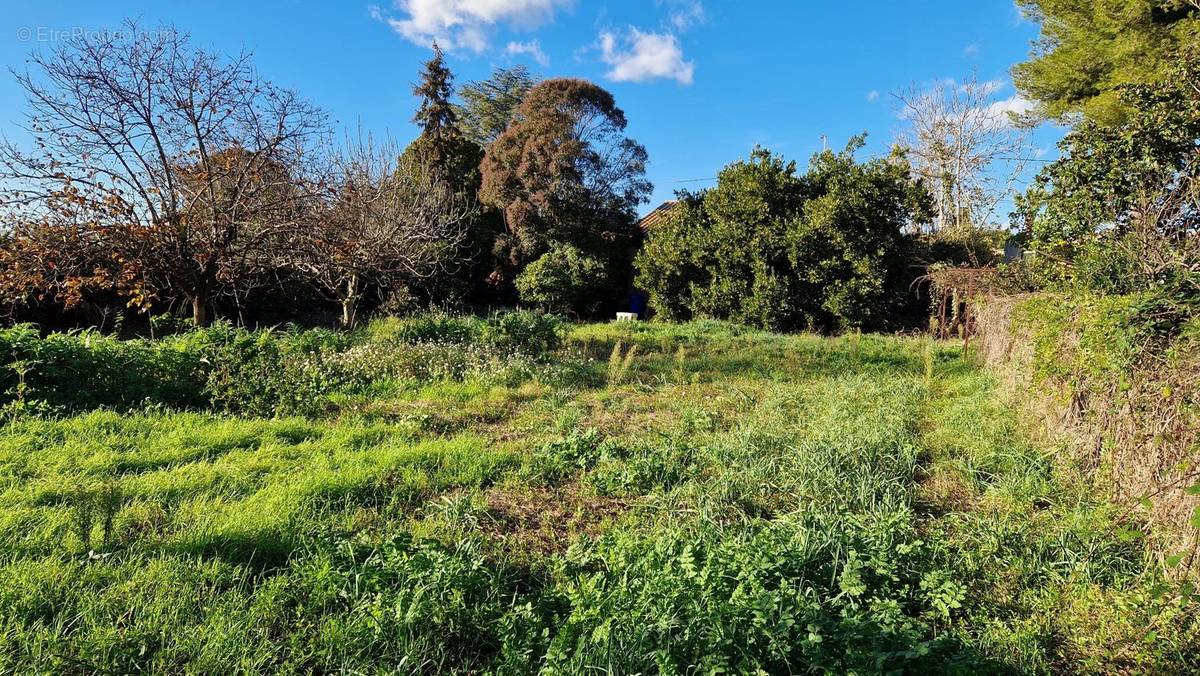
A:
<point x="619" y="363"/>
<point x="757" y="504"/>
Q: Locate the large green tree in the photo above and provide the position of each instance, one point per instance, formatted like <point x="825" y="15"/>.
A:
<point x="440" y="135"/>
<point x="565" y="175"/>
<point x="1088" y="49"/>
<point x="445" y="160"/>
<point x="441" y="150"/>
<point x="1120" y="210"/>
<point x="772" y="248"/>
<point x="488" y="106"/>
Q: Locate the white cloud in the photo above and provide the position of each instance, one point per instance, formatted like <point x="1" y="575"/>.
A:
<point x="686" y="13"/>
<point x="645" y="57"/>
<point x="873" y="95"/>
<point x="971" y="51"/>
<point x="1016" y="105"/>
<point x="532" y="49"/>
<point x="463" y="24"/>
<point x="987" y="87"/>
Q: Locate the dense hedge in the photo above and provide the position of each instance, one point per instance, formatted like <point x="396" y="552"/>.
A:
<point x="785" y="251"/>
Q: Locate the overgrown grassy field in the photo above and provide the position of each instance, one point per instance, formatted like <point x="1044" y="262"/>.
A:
<point x="441" y="495"/>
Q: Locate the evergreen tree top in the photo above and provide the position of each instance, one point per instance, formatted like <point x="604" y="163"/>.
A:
<point x="436" y="116"/>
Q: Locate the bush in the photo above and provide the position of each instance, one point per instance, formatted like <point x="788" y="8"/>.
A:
<point x="436" y="327"/>
<point x="273" y="372"/>
<point x="264" y="372"/>
<point x="530" y="332"/>
<point x="87" y="370"/>
<point x="783" y="251"/>
<point x="565" y="280"/>
<point x="1115" y="213"/>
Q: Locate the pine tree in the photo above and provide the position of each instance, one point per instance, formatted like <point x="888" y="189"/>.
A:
<point x="441" y="155"/>
<point x="1089" y="49"/>
<point x="439" y="124"/>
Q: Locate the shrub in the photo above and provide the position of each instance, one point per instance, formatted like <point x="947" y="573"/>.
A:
<point x="434" y="327"/>
<point x="783" y="251"/>
<point x="265" y="372"/>
<point x="271" y="372"/>
<point x="530" y="332"/>
<point x="565" y="279"/>
<point x="86" y="370"/>
<point x="1115" y="213"/>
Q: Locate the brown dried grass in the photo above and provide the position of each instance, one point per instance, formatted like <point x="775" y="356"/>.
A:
<point x="1138" y="440"/>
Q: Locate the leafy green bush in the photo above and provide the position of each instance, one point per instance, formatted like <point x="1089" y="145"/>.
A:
<point x="566" y="279"/>
<point x="1112" y="213"/>
<point x="265" y="372"/>
<point x="783" y="251"/>
<point x="435" y="327"/>
<point x="273" y="372"/>
<point x="85" y="370"/>
<point x="533" y="333"/>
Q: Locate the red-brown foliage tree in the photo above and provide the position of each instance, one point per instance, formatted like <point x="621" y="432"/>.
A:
<point x="181" y="171"/>
<point x="564" y="173"/>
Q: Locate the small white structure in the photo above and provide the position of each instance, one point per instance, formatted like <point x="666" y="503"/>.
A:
<point x="627" y="316"/>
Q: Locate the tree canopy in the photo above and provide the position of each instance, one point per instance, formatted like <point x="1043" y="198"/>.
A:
<point x="441" y="147"/>
<point x="564" y="173"/>
<point x="1125" y="196"/>
<point x="772" y="248"/>
<point x="184" y="167"/>
<point x="1089" y="49"/>
<point x="488" y="106"/>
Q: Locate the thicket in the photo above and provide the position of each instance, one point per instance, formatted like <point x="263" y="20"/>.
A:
<point x="823" y="250"/>
<point x="1096" y="327"/>
<point x="1118" y="212"/>
<point x="261" y="372"/>
<point x="1115" y="377"/>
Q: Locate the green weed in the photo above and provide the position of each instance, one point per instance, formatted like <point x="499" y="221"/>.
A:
<point x="461" y="495"/>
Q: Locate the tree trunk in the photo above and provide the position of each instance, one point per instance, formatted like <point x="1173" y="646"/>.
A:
<point x="200" y="309"/>
<point x="350" y="303"/>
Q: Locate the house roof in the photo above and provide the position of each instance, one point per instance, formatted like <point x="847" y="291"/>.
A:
<point x="654" y="217"/>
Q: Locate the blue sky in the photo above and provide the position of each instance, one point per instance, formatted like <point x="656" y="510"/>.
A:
<point x="702" y="81"/>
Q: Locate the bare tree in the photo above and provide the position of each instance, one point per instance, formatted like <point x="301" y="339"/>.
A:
<point x="964" y="143"/>
<point x="384" y="223"/>
<point x="188" y="166"/>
